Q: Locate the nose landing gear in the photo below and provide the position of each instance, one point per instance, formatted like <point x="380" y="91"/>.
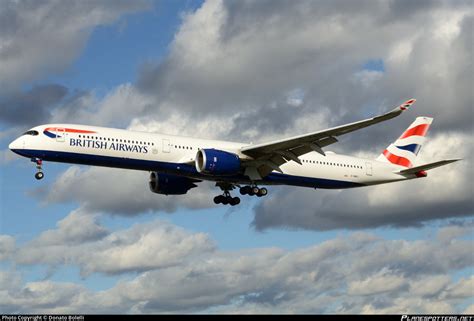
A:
<point x="39" y="166"/>
<point x="39" y="175"/>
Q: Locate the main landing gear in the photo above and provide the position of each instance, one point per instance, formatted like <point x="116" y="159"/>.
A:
<point x="226" y="198"/>
<point x="253" y="190"/>
<point x="39" y="166"/>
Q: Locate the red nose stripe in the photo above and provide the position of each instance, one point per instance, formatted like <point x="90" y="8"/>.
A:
<point x="70" y="130"/>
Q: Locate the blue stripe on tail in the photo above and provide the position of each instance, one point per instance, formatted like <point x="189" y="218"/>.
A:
<point x="414" y="148"/>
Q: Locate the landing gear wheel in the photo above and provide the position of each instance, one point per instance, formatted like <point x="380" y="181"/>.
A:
<point x="226" y="198"/>
<point x="245" y="190"/>
<point x="234" y="201"/>
<point x="262" y="192"/>
<point x="254" y="191"/>
<point x="219" y="199"/>
<point x="39" y="175"/>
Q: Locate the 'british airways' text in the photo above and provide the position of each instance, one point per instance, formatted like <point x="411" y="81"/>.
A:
<point x="89" y="143"/>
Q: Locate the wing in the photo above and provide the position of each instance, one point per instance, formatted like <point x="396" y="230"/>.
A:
<point x="270" y="156"/>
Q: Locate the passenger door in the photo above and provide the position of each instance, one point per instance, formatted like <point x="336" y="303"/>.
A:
<point x="60" y="135"/>
<point x="166" y="146"/>
<point x="368" y="168"/>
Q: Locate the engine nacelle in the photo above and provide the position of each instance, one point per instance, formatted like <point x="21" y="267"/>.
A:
<point x="167" y="184"/>
<point x="217" y="162"/>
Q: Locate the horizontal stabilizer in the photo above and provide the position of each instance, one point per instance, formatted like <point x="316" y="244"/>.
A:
<point x="426" y="167"/>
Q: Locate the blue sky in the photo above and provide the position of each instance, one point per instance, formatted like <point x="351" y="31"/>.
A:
<point x="162" y="66"/>
<point x="106" y="62"/>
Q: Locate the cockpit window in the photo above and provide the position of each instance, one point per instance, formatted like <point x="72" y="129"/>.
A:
<point x="31" y="132"/>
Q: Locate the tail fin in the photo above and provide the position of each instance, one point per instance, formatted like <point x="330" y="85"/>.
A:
<point x="405" y="149"/>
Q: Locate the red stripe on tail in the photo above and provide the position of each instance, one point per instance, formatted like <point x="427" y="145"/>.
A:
<point x="398" y="160"/>
<point x="419" y="130"/>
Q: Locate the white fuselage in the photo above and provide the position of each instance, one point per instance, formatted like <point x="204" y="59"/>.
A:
<point x="109" y="147"/>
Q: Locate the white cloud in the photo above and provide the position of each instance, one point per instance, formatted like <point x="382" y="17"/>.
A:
<point x="230" y="58"/>
<point x="176" y="123"/>
<point x="7" y="247"/>
<point x="121" y="192"/>
<point x="144" y="247"/>
<point x="381" y="282"/>
<point x="42" y="297"/>
<point x="180" y="271"/>
<point x="463" y="289"/>
<point x="368" y="77"/>
<point x="77" y="227"/>
<point x="115" y="109"/>
<point x="451" y="233"/>
<point x="430" y="286"/>
<point x="80" y="240"/>
<point x="39" y="38"/>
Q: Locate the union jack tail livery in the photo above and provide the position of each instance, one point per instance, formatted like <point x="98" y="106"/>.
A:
<point x="405" y="149"/>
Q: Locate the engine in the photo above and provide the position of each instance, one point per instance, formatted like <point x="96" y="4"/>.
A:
<point x="217" y="162"/>
<point x="167" y="184"/>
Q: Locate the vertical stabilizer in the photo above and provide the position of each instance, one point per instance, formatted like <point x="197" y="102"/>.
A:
<point x="404" y="150"/>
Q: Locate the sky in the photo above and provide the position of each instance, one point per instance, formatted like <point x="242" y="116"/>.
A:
<point x="96" y="240"/>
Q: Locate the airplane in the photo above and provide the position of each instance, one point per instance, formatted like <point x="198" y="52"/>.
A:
<point x="176" y="163"/>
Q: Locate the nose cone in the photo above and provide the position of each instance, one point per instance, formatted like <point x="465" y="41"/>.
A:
<point x="15" y="145"/>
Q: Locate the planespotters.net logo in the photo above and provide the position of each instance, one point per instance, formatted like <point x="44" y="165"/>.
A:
<point x="437" y="318"/>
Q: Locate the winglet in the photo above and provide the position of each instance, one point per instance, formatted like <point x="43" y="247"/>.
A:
<point x="406" y="105"/>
